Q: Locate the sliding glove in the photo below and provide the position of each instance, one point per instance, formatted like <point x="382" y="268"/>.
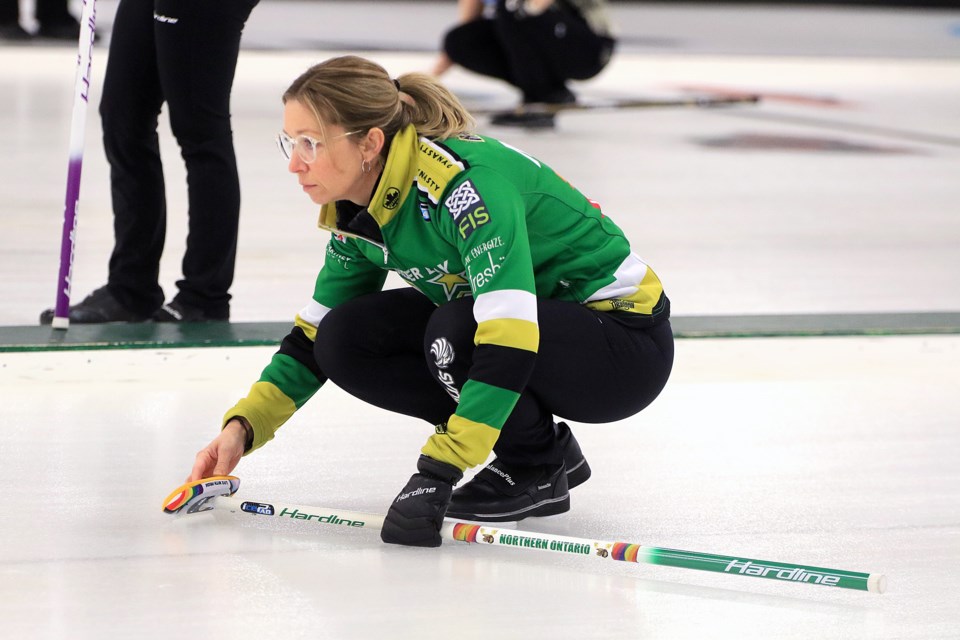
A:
<point x="417" y="513"/>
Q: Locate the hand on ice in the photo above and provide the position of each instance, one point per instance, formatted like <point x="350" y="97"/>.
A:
<point x="222" y="455"/>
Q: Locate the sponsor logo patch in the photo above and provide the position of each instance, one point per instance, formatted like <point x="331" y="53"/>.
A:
<point x="463" y="199"/>
<point x="258" y="508"/>
<point x="443" y="356"/>
<point x="392" y="199"/>
<point x="416" y="492"/>
<point x="480" y="276"/>
<point x="442" y="352"/>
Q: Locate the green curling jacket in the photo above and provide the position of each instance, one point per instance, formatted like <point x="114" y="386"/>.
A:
<point x="465" y="216"/>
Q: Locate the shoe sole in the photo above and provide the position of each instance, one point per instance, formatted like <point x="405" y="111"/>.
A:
<point x="578" y="474"/>
<point x="550" y="507"/>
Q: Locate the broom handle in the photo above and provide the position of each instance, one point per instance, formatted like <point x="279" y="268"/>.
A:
<point x="568" y="545"/>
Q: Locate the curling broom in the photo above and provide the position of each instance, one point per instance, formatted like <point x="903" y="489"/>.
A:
<point x="88" y="19"/>
<point x="216" y="493"/>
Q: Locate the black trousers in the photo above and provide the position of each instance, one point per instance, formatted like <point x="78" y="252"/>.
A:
<point x="591" y="366"/>
<point x="186" y="56"/>
<point x="536" y="54"/>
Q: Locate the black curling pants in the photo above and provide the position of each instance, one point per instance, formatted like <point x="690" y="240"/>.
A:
<point x="183" y="53"/>
<point x="536" y="54"/>
<point x="591" y="366"/>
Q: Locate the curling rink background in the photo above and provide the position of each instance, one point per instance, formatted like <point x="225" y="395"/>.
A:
<point x="837" y="194"/>
<point x="837" y="452"/>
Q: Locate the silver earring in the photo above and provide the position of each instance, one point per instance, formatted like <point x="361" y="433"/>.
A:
<point x="365" y="166"/>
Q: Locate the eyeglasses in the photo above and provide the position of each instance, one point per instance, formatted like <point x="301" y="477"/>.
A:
<point x="304" y="146"/>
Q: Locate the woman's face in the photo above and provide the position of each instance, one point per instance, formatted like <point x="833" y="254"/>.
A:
<point x="336" y="173"/>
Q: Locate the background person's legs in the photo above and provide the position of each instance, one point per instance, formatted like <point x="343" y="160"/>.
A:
<point x="197" y="47"/>
<point x="129" y="110"/>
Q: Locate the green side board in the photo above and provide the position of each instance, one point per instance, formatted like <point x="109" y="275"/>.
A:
<point x="248" y="334"/>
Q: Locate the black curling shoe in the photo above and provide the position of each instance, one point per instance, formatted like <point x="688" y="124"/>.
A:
<point x="176" y="311"/>
<point x="97" y="308"/>
<point x="503" y="493"/>
<point x="524" y="120"/>
<point x="499" y="493"/>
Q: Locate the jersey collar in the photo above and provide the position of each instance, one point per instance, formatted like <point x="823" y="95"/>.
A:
<point x="393" y="186"/>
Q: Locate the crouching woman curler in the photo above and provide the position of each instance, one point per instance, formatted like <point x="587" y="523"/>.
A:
<point x="526" y="302"/>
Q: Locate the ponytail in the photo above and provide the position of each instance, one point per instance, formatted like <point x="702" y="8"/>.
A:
<point x="434" y="110"/>
<point x="359" y="94"/>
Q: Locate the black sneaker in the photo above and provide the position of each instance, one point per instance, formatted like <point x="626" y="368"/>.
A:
<point x="176" y="311"/>
<point x="563" y="95"/>
<point x="524" y="119"/>
<point x="499" y="493"/>
<point x="536" y="112"/>
<point x="14" y="32"/>
<point x="98" y="307"/>
<point x="578" y="471"/>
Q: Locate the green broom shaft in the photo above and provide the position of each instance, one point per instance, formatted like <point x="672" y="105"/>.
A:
<point x="629" y="552"/>
<point x="454" y="530"/>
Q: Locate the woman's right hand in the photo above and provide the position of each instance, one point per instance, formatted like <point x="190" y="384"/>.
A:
<point x="222" y="455"/>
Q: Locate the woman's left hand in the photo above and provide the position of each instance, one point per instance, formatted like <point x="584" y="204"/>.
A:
<point x="416" y="515"/>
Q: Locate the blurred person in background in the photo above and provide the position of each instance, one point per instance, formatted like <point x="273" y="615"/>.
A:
<point x="535" y="45"/>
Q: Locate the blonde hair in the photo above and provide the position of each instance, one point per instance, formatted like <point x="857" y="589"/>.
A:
<point x="358" y="94"/>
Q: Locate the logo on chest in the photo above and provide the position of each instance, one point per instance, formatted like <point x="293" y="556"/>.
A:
<point x="454" y="284"/>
